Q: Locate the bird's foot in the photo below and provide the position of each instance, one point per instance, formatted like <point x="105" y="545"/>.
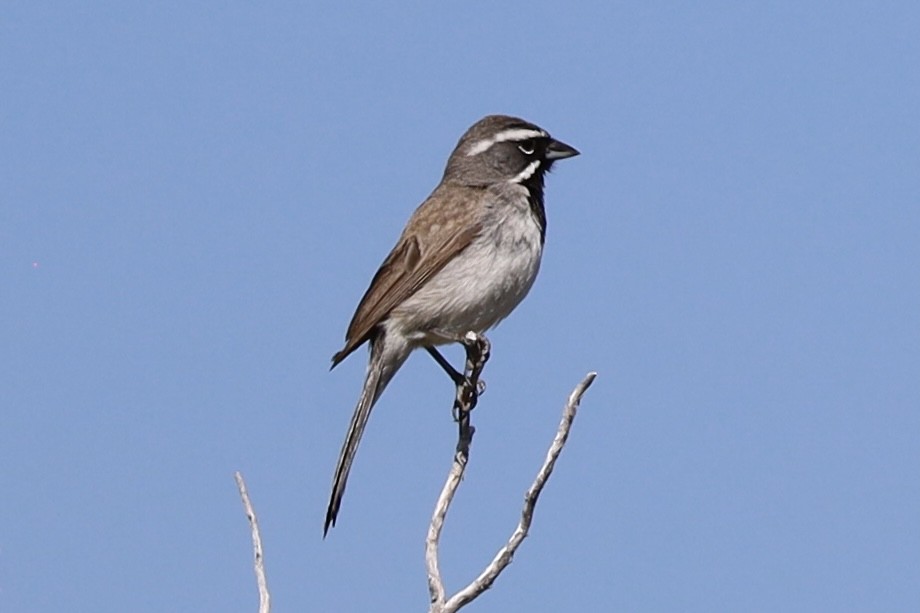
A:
<point x="471" y="387"/>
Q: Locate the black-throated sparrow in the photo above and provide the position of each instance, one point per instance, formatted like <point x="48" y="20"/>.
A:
<point x="467" y="257"/>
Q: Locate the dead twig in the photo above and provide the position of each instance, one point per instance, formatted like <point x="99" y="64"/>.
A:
<point x="477" y="351"/>
<point x="265" y="605"/>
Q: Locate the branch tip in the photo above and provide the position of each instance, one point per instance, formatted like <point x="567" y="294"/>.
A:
<point x="468" y="390"/>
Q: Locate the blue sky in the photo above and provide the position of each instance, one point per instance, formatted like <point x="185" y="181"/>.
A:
<point x="194" y="198"/>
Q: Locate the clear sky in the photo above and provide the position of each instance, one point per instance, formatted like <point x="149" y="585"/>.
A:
<point x="194" y="196"/>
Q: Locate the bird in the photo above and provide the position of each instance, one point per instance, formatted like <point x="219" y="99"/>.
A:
<point x="467" y="257"/>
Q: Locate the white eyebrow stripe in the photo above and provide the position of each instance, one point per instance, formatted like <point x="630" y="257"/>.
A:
<point x="526" y="173"/>
<point x="511" y="134"/>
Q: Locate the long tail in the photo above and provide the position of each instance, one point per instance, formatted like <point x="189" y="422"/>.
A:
<point x="383" y="364"/>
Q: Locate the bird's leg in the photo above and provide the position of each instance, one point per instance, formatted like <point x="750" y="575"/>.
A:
<point x="468" y="391"/>
<point x="477" y="358"/>
<point x="452" y="372"/>
<point x="469" y="386"/>
<point x="461" y="382"/>
<point x="478" y="349"/>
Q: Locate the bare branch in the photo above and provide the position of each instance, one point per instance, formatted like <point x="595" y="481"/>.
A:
<point x="468" y="391"/>
<point x="265" y="605"/>
<point x="503" y="558"/>
<point x="477" y="353"/>
<point x="435" y="583"/>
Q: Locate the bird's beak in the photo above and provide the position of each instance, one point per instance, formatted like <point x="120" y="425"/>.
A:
<point x="558" y="150"/>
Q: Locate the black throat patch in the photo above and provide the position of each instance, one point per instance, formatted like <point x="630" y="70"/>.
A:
<point x="534" y="186"/>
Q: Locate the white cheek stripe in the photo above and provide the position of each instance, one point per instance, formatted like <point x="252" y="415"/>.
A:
<point x="512" y="134"/>
<point x="526" y="173"/>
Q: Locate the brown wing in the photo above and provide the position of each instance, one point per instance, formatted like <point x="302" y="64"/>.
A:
<point x="439" y="230"/>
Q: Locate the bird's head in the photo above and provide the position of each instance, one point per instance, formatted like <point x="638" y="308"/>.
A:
<point x="499" y="148"/>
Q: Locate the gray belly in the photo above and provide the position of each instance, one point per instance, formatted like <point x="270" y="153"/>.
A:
<point x="479" y="287"/>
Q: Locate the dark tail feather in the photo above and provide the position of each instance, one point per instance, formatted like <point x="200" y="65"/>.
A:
<point x="378" y="375"/>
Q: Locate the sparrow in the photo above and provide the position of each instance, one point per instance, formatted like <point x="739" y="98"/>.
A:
<point x="467" y="257"/>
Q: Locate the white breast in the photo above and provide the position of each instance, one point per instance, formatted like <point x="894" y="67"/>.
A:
<point x="482" y="285"/>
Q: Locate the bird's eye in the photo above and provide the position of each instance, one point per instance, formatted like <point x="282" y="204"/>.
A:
<point x="528" y="146"/>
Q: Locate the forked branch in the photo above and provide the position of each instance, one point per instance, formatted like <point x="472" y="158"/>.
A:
<point x="477" y="351"/>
